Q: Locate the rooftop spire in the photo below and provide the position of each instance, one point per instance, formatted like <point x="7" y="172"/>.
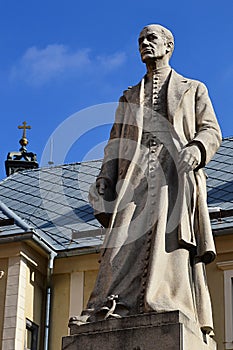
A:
<point x="23" y="141"/>
<point x="18" y="161"/>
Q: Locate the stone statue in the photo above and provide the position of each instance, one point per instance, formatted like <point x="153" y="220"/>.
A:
<point x="151" y="195"/>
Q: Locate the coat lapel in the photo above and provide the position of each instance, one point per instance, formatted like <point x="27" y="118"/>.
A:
<point x="177" y="87"/>
<point x="134" y="100"/>
<point x="132" y="94"/>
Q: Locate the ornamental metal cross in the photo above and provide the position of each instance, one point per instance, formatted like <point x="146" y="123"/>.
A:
<point x="24" y="127"/>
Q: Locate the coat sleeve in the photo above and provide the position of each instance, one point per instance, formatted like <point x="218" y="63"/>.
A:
<point x="109" y="171"/>
<point x="109" y="168"/>
<point x="208" y="134"/>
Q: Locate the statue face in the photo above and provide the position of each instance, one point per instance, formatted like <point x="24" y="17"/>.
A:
<point x="152" y="44"/>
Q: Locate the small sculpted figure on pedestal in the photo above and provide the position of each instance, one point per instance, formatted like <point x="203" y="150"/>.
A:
<point x="151" y="195"/>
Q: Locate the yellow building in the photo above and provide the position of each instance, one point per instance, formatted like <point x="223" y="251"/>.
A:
<point x="50" y="245"/>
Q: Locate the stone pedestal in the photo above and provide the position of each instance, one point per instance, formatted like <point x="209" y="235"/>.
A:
<point x="152" y="331"/>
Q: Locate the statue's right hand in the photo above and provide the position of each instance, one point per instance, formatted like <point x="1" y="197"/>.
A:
<point x="101" y="185"/>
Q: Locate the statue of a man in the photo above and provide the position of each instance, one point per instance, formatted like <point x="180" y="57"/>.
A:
<point x="152" y="187"/>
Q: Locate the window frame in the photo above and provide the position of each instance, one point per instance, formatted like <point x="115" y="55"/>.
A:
<point x="34" y="329"/>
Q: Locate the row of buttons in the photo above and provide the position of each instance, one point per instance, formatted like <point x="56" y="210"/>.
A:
<point x="153" y="144"/>
<point x="155" y="92"/>
<point x="145" y="271"/>
<point x="152" y="194"/>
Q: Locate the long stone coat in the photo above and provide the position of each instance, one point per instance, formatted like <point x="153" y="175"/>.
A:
<point x="158" y="235"/>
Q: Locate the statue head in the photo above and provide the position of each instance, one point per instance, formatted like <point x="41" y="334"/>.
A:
<point x="155" y="42"/>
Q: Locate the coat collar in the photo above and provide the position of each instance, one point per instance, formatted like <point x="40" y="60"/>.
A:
<point x="132" y="93"/>
<point x="177" y="86"/>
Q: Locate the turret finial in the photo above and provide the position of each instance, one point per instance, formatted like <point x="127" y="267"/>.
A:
<point x="23" y="141"/>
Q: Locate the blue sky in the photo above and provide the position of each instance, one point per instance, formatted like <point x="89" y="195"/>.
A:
<point x="60" y="58"/>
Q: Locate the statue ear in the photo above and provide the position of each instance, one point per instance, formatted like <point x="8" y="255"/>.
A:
<point x="170" y="46"/>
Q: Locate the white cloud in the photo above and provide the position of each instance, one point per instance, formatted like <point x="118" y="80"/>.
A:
<point x="39" y="66"/>
<point x="112" y="61"/>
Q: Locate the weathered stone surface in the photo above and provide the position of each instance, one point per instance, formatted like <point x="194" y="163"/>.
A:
<point x="153" y="189"/>
<point x="163" y="331"/>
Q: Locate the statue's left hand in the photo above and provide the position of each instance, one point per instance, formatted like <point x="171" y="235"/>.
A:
<point x="190" y="158"/>
<point x="101" y="185"/>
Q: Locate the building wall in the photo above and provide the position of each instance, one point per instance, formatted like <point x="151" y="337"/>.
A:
<point x="35" y="299"/>
<point x="3" y="280"/>
<point x="215" y="275"/>
<point x="74" y="278"/>
<point x="216" y="287"/>
<point x="89" y="281"/>
<point x="22" y="293"/>
<point x="72" y="282"/>
<point x="60" y="309"/>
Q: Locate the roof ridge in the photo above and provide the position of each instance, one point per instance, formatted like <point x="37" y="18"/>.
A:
<point x="227" y="138"/>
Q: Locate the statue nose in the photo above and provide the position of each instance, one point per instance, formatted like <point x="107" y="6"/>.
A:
<point x="145" y="42"/>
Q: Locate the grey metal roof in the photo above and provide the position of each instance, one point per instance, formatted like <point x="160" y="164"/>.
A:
<point x="8" y="227"/>
<point x="53" y="201"/>
<point x="220" y="185"/>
